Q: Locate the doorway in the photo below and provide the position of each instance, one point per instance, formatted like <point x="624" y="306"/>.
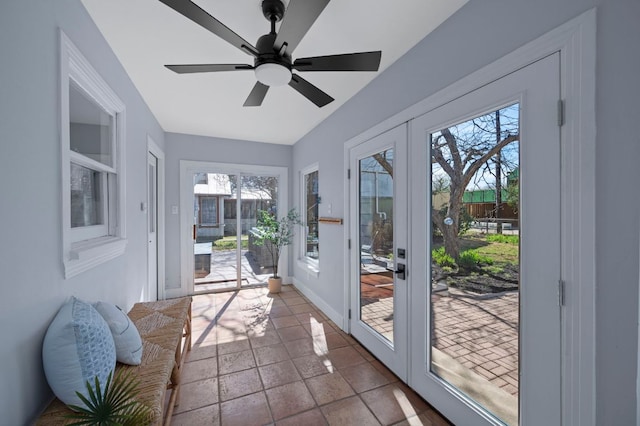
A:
<point x="155" y="222"/>
<point x="223" y="201"/>
<point x="473" y="259"/>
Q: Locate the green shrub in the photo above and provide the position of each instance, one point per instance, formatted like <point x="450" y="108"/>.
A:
<point x="441" y="258"/>
<point x="500" y="238"/>
<point x="470" y="259"/>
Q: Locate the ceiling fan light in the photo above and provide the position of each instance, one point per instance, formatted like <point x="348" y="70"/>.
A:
<point x="271" y="74"/>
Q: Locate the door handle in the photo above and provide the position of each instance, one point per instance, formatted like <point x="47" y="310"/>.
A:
<point x="401" y="272"/>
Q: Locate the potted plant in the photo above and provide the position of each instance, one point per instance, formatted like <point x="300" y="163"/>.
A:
<point x="275" y="234"/>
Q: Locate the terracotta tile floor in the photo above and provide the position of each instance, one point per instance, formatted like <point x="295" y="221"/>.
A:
<point x="261" y="359"/>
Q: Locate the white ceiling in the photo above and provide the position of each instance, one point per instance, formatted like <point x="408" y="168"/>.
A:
<point x="146" y="34"/>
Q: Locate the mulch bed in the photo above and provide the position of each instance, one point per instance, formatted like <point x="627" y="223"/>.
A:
<point x="480" y="282"/>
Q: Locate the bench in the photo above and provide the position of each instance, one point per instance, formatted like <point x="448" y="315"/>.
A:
<point x="165" y="329"/>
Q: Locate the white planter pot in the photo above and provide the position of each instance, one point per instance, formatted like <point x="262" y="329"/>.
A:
<point x="275" y="284"/>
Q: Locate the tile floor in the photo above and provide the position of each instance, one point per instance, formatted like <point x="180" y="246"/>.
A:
<point x="261" y="359"/>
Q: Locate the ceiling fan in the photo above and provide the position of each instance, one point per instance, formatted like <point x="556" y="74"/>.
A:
<point x="273" y="64"/>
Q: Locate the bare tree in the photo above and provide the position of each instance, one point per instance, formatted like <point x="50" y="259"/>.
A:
<point x="464" y="152"/>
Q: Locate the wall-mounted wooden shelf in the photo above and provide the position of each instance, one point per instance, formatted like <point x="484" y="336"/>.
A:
<point x="330" y="220"/>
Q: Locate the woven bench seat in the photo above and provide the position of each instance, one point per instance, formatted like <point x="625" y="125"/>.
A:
<point x="165" y="329"/>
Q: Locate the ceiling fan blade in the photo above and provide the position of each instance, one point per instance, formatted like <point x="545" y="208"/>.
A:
<point x="257" y="95"/>
<point x="204" y="19"/>
<point x="363" y="61"/>
<point x="194" y="68"/>
<point x="298" y="18"/>
<point x="310" y="91"/>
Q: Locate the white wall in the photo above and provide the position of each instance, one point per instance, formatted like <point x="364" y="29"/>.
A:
<point x="32" y="286"/>
<point x="475" y="36"/>
<point x="203" y="148"/>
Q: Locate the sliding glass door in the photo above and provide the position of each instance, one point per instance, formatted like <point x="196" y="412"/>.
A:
<point x="224" y="201"/>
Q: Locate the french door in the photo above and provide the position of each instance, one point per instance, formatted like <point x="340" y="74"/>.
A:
<point x="474" y="256"/>
<point x="378" y="182"/>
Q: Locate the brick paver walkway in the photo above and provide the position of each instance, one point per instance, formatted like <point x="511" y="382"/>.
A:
<point x="479" y="333"/>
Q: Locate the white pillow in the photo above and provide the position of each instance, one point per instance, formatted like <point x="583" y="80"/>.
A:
<point x="125" y="334"/>
<point x="77" y="347"/>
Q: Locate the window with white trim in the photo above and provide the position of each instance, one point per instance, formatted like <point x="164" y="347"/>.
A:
<point x="92" y="137"/>
<point x="208" y="210"/>
<point x="310" y="199"/>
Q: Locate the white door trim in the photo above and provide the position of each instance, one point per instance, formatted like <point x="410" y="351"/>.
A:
<point x="576" y="42"/>
<point x="154" y="149"/>
<point x="187" y="168"/>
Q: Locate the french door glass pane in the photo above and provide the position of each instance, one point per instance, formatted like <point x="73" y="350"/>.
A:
<point x="376" y="196"/>
<point x="475" y="258"/>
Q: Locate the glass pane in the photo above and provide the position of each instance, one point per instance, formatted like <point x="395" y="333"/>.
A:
<point x="475" y="259"/>
<point x="311" y="215"/>
<point x="215" y="242"/>
<point x="208" y="210"/>
<point x="87" y="197"/>
<point x="152" y="198"/>
<point x="258" y="193"/>
<point x="376" y="242"/>
<point x="91" y="128"/>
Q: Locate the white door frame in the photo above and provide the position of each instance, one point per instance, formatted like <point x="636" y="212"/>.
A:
<point x="576" y="42"/>
<point x="187" y="169"/>
<point x="157" y="152"/>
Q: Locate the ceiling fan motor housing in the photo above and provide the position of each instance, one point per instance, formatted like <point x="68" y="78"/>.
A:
<point x="271" y="68"/>
<point x="273" y="9"/>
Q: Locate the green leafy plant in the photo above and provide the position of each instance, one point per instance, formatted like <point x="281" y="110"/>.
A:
<point x="470" y="259"/>
<point x="442" y="258"/>
<point x="275" y="234"/>
<point x="115" y="405"/>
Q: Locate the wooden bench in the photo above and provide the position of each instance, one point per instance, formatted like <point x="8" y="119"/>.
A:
<point x="165" y="329"/>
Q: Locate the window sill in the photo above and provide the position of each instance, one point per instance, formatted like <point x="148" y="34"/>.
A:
<point x="312" y="268"/>
<point x="85" y="255"/>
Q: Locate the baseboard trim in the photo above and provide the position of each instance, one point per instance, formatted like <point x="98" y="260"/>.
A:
<point x="320" y="303"/>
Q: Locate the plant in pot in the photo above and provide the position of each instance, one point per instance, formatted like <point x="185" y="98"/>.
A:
<point x="275" y="234"/>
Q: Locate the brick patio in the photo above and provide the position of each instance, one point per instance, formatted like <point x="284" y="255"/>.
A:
<point x="481" y="333"/>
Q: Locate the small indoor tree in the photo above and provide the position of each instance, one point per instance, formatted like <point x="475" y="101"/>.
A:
<point x="275" y="234"/>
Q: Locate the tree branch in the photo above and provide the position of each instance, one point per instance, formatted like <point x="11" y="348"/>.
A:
<point x="384" y="163"/>
<point x="475" y="166"/>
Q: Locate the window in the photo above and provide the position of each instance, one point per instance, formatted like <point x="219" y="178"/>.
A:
<point x="208" y="210"/>
<point x="310" y="211"/>
<point x="92" y="137"/>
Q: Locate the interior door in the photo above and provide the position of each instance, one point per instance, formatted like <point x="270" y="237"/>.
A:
<point x="378" y="184"/>
<point x="152" y="228"/>
<point x="492" y="357"/>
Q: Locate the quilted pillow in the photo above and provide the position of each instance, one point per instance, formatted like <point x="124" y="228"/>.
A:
<point x="77" y="347"/>
<point x="125" y="334"/>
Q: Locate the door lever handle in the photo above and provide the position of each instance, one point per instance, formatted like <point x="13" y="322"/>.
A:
<point x="401" y="272"/>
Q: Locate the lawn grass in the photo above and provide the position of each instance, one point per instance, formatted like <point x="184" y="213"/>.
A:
<point x="501" y="252"/>
<point x="490" y="246"/>
<point x="230" y="243"/>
